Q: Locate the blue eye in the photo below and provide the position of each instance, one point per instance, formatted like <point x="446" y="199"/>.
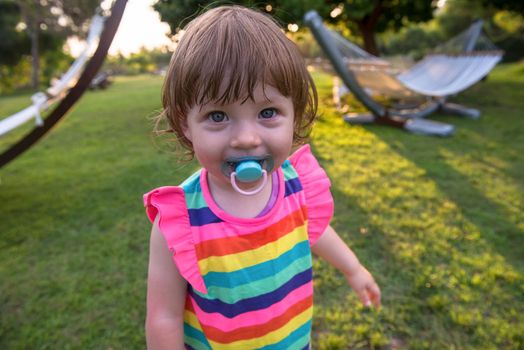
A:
<point x="268" y="113"/>
<point x="217" y="116"/>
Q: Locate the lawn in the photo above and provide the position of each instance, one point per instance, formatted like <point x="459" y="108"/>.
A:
<point x="439" y="222"/>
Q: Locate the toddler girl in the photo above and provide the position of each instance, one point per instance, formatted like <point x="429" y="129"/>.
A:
<point x="230" y="255"/>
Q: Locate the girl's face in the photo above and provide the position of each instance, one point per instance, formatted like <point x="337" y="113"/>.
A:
<point x="260" y="127"/>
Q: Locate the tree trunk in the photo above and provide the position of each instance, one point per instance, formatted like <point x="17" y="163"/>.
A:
<point x="367" y="26"/>
<point x="35" y="57"/>
<point x="368" y="35"/>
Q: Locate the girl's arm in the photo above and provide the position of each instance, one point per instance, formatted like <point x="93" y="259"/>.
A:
<point x="332" y="248"/>
<point x="166" y="295"/>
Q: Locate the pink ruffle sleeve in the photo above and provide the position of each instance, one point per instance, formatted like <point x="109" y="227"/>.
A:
<point x="316" y="186"/>
<point x="169" y="203"/>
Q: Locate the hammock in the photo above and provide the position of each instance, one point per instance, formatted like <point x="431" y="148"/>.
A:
<point x="42" y="100"/>
<point x="446" y="72"/>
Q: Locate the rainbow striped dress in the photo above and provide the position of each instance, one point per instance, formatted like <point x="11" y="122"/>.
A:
<point x="249" y="280"/>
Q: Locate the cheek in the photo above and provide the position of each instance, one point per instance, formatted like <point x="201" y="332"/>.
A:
<point x="207" y="154"/>
<point x="283" y="143"/>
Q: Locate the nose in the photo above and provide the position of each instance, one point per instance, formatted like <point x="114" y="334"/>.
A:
<point x="245" y="136"/>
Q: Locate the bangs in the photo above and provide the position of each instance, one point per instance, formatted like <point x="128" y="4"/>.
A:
<point x="226" y="64"/>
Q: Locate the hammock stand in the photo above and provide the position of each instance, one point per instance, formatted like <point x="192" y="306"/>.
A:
<point x="58" y="90"/>
<point x="429" y="78"/>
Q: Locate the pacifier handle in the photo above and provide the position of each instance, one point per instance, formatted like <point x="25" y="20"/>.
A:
<point x="248" y="193"/>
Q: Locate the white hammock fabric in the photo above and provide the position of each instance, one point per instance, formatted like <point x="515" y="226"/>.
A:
<point x="444" y="75"/>
<point x="41" y="101"/>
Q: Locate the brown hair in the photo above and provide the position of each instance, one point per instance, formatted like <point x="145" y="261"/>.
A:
<point x="236" y="48"/>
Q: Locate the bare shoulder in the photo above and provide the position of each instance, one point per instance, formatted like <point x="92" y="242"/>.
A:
<point x="159" y="253"/>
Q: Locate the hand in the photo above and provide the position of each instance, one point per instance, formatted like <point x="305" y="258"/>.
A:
<point x="364" y="285"/>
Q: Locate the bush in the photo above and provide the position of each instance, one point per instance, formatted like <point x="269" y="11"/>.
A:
<point x="15" y="77"/>
<point x="18" y="76"/>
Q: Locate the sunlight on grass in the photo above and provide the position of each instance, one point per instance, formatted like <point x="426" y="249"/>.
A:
<point x="486" y="174"/>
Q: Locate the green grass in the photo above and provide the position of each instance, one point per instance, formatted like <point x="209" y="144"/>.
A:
<point x="439" y="221"/>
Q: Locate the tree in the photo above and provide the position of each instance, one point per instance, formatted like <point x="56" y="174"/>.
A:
<point x="13" y="43"/>
<point x="53" y="19"/>
<point x="368" y="17"/>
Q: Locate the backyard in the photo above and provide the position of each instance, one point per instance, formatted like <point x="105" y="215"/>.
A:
<point x="439" y="222"/>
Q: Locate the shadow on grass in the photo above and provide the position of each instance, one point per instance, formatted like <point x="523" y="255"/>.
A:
<point x="490" y="217"/>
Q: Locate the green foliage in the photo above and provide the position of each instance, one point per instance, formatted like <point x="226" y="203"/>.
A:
<point x="144" y="61"/>
<point x="13" y="43"/>
<point x="292" y="11"/>
<point x="54" y="63"/>
<point x="49" y="21"/>
<point x="13" y="77"/>
<point x="177" y="13"/>
<point x="392" y="14"/>
<point x="307" y="45"/>
<point x="510" y="22"/>
<point x="414" y="40"/>
<point x="507" y="30"/>
<point x="18" y="76"/>
<point x="509" y="5"/>
<point x="61" y="18"/>
<point x="439" y="222"/>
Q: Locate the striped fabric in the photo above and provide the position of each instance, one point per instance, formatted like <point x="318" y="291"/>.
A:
<point x="257" y="288"/>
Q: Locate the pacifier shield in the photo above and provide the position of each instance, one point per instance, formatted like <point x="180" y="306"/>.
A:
<point x="248" y="171"/>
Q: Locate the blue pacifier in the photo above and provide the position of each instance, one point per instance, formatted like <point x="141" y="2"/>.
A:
<point x="248" y="169"/>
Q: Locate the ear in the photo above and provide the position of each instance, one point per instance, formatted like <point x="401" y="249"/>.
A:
<point x="186" y="130"/>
